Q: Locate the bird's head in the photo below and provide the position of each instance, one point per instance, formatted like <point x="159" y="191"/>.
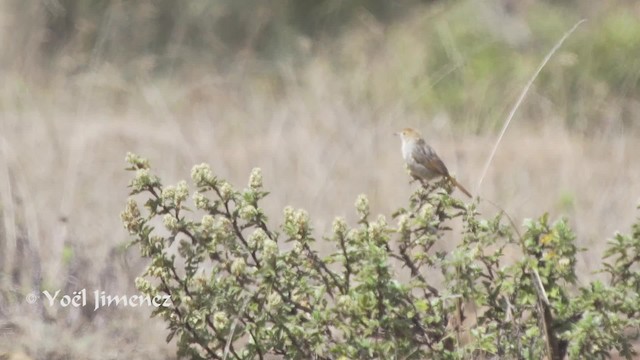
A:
<point x="408" y="134"/>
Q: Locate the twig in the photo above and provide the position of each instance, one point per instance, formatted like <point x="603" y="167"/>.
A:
<point x="228" y="346"/>
<point x="511" y="221"/>
<point x="542" y="294"/>
<point x="521" y="99"/>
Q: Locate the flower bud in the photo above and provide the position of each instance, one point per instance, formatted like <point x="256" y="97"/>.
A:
<point x="248" y="212"/>
<point x="207" y="224"/>
<point x="220" y="320"/>
<point x="136" y="161"/>
<point x="255" y="179"/>
<point x="270" y="248"/>
<point x="181" y="192"/>
<point x="226" y="191"/>
<point x="339" y="226"/>
<point x="202" y="175"/>
<point x="257" y="239"/>
<point x="238" y="266"/>
<point x="143" y="179"/>
<point x="362" y="206"/>
<point x="131" y="217"/>
<point x="170" y="222"/>
<point x="201" y="201"/>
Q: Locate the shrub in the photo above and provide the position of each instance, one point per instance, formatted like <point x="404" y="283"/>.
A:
<point x="241" y="288"/>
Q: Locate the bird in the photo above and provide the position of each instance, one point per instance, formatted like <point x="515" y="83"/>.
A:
<point x="422" y="161"/>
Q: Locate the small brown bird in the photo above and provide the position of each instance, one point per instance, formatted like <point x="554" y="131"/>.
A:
<point x="422" y="161"/>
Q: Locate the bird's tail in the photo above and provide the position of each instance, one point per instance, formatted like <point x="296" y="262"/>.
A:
<point x="457" y="184"/>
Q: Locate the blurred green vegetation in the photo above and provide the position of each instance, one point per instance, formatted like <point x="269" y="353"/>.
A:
<point x="222" y="29"/>
<point x="468" y="59"/>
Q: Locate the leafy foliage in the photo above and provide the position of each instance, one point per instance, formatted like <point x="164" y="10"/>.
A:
<point x="241" y="289"/>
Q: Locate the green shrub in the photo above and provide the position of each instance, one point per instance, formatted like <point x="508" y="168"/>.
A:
<point x="241" y="288"/>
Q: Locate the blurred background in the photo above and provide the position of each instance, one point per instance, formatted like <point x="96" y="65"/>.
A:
<point x="311" y="91"/>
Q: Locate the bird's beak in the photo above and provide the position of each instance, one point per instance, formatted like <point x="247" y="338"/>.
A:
<point x="396" y="134"/>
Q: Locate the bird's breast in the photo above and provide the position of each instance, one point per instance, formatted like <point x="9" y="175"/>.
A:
<point x="407" y="149"/>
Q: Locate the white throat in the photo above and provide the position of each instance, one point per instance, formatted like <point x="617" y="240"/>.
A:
<point x="407" y="147"/>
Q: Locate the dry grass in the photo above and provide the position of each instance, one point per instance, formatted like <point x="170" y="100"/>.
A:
<point x="62" y="184"/>
<point x="316" y="152"/>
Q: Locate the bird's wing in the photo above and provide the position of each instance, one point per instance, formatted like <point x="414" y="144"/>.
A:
<point x="424" y="155"/>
